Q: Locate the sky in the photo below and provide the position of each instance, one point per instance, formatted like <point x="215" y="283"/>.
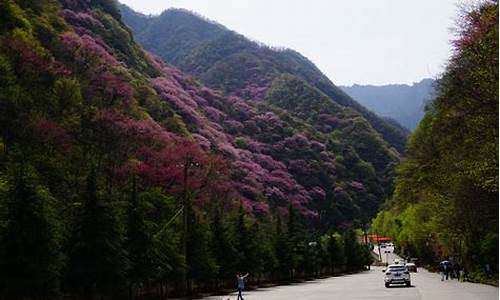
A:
<point x="351" y="41"/>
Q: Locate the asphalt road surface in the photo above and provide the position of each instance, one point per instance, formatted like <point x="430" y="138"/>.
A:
<point x="370" y="285"/>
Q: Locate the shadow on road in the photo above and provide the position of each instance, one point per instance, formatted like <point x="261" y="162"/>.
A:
<point x="401" y="287"/>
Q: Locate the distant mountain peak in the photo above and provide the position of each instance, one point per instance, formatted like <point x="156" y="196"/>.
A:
<point x="404" y="103"/>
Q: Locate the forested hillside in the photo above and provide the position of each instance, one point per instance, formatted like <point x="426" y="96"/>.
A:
<point x="446" y="195"/>
<point x="401" y="102"/>
<point x="120" y="176"/>
<point x="227" y="61"/>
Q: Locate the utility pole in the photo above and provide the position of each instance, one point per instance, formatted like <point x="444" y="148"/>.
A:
<point x="185" y="212"/>
<point x="378" y="246"/>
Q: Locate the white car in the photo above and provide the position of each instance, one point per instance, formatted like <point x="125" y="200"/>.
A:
<point x="411" y="267"/>
<point x="396" y="274"/>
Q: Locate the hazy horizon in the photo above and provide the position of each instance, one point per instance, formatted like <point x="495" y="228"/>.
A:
<point x="388" y="42"/>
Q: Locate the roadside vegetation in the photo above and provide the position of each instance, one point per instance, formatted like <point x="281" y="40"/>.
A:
<point x="445" y="202"/>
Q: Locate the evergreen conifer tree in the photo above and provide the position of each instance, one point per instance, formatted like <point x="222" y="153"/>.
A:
<point x="139" y="243"/>
<point x="224" y="252"/>
<point x="97" y="259"/>
<point x="30" y="257"/>
<point x="200" y="262"/>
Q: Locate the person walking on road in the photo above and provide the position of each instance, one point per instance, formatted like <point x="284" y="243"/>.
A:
<point x="441" y="271"/>
<point x="241" y="284"/>
<point x="444" y="268"/>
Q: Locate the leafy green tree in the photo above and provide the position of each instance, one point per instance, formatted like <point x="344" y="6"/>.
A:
<point x="30" y="252"/>
<point x="449" y="179"/>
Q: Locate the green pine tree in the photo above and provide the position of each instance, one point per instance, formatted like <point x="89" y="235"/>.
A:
<point x="282" y="252"/>
<point x="200" y="262"/>
<point x="223" y="249"/>
<point x="139" y="243"/>
<point x="30" y="257"/>
<point x="296" y="248"/>
<point x="97" y="259"/>
<point x="335" y="252"/>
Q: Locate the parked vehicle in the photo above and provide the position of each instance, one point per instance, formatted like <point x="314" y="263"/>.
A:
<point x="397" y="274"/>
<point x="411" y="267"/>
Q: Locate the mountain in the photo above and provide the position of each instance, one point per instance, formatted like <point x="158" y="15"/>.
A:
<point x="274" y="83"/>
<point x="103" y="146"/>
<point x="227" y="61"/>
<point x="401" y="102"/>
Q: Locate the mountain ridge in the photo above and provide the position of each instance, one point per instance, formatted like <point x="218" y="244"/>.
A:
<point x="404" y="103"/>
<point x="230" y="62"/>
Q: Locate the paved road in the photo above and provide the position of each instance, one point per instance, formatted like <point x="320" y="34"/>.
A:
<point x="369" y="285"/>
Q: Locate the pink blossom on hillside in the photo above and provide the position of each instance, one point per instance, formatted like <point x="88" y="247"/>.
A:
<point x="251" y="127"/>
<point x="338" y="189"/>
<point x="113" y="87"/>
<point x="86" y="49"/>
<point x="202" y="141"/>
<point x="317" y="193"/>
<point x="250" y="168"/>
<point x="317" y="146"/>
<point x="253" y="91"/>
<point x="269" y="163"/>
<point x="326" y="122"/>
<point x="243" y="110"/>
<point x="213" y="135"/>
<point x="28" y="55"/>
<point x="182" y="162"/>
<point x="324" y="155"/>
<point x="58" y="68"/>
<point x="214" y="114"/>
<point x="357" y="185"/>
<point x="276" y="196"/>
<point x="247" y="191"/>
<point x="228" y="151"/>
<point x="199" y="100"/>
<point x="247" y="205"/>
<point x="207" y="93"/>
<point x="298" y="166"/>
<point x="473" y="25"/>
<point x="155" y="60"/>
<point x="137" y="132"/>
<point x="260" y="208"/>
<point x="52" y="132"/>
<point x="81" y="21"/>
<point x="281" y="179"/>
<point x="233" y="127"/>
<point x="258" y="147"/>
<point x="31" y="59"/>
<point x="329" y="167"/>
<point x="217" y="127"/>
<point x="268" y="121"/>
<point x="168" y="91"/>
<point x="297" y="141"/>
